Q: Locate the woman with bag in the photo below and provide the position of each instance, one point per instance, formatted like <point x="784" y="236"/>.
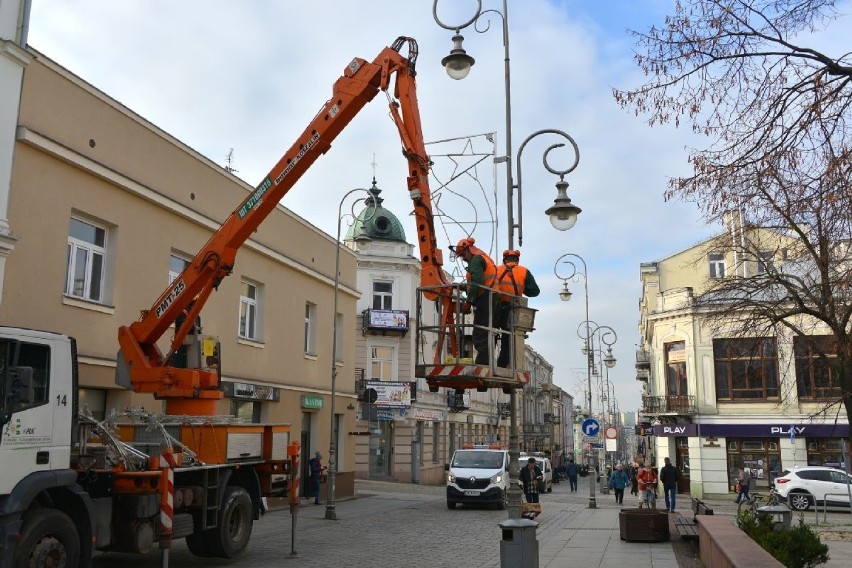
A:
<point x="618" y="481"/>
<point x="743" y="483"/>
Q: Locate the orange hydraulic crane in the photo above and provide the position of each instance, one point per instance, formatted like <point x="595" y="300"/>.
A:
<point x="195" y="391"/>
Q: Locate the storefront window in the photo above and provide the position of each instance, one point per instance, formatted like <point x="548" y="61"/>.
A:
<point x="825" y="451"/>
<point x="761" y="458"/>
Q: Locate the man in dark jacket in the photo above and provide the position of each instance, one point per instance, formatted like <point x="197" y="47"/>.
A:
<point x="481" y="273"/>
<point x="571" y="471"/>
<point x="530" y="477"/>
<point x="669" y="476"/>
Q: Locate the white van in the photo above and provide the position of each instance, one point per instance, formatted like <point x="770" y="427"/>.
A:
<point x="478" y="475"/>
<point x="543" y="464"/>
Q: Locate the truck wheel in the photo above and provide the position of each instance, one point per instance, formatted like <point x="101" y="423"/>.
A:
<point x="230" y="538"/>
<point x="197" y="545"/>
<point x="48" y="538"/>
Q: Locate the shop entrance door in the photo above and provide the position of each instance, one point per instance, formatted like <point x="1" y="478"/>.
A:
<point x="682" y="464"/>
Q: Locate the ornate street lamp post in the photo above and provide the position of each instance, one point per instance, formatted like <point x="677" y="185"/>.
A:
<point x="361" y="238"/>
<point x="563" y="213"/>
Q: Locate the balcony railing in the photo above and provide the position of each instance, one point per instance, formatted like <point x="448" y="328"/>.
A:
<point x="684" y="405"/>
<point x="643" y="359"/>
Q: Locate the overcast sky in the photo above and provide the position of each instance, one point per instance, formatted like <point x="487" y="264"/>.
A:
<point x="249" y="76"/>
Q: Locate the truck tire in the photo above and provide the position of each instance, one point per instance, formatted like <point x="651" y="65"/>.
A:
<point x="48" y="538"/>
<point x="197" y="545"/>
<point x="236" y="518"/>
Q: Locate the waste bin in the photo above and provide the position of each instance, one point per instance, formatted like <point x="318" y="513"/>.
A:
<point x="781" y="515"/>
<point x="519" y="546"/>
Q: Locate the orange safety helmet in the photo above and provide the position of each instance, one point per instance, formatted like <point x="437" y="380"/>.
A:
<point x="463" y="245"/>
<point x="515" y="253"/>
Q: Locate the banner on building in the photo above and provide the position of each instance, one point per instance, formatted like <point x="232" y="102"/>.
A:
<point x="391" y="395"/>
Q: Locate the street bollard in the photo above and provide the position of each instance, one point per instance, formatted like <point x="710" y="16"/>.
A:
<point x="519" y="546"/>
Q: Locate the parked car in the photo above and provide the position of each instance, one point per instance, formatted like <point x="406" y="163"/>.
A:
<point x="543" y="464"/>
<point x="478" y="474"/>
<point x="803" y="487"/>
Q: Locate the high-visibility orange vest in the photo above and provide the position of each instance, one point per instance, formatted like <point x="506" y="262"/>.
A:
<point x="511" y="279"/>
<point x="489" y="275"/>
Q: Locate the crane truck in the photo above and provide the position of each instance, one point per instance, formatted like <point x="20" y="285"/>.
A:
<point x="72" y="485"/>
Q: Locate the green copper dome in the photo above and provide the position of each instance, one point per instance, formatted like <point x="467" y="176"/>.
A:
<point x="378" y="223"/>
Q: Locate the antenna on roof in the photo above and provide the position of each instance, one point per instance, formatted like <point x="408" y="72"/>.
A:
<point x="229" y="167"/>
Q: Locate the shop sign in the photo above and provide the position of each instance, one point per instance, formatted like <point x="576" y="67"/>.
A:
<point x="311" y="402"/>
<point x="428" y="414"/>
<point x="391" y="395"/>
<point x="248" y="391"/>
<point x="754" y="430"/>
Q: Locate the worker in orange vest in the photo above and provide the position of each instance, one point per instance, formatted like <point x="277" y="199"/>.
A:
<point x="514" y="279"/>
<point x="481" y="273"/>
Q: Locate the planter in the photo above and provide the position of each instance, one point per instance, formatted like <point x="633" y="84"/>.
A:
<point x="643" y="525"/>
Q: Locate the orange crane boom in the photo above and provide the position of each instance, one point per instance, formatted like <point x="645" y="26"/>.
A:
<point x="195" y="391"/>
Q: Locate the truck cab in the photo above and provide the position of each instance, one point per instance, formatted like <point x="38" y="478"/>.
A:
<point x="478" y="474"/>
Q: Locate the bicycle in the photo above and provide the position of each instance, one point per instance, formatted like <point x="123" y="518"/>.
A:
<point x="757" y="500"/>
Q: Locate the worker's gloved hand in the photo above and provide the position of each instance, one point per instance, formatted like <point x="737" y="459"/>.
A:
<point x="466" y="307"/>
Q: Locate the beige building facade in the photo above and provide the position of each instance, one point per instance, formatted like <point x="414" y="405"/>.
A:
<point x="107" y="208"/>
<point x="718" y="396"/>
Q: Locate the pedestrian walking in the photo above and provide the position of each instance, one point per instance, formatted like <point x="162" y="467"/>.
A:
<point x="669" y="477"/>
<point x="512" y="280"/>
<point x="316" y="471"/>
<point x="530" y="477"/>
<point x="618" y="481"/>
<point x="744" y="482"/>
<point x="647" y="486"/>
<point x="571" y="470"/>
<point x="634" y="483"/>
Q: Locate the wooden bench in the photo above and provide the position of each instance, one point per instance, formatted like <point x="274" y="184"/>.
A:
<point x="688" y="529"/>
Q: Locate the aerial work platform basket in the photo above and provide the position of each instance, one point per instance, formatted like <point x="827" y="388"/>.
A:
<point x="444" y="347"/>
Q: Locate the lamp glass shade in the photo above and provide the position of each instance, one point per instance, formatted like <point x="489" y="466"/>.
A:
<point x="562" y="220"/>
<point x="457" y="65"/>
<point x="565" y="294"/>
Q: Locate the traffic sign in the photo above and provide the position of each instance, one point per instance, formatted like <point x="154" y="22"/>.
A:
<point x="611" y="432"/>
<point x="591" y="427"/>
<point x="597" y="446"/>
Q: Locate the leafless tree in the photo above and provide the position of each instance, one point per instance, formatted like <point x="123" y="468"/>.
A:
<point x="776" y="113"/>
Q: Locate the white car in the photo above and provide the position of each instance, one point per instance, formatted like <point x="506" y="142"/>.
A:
<point x="805" y="486"/>
<point x="543" y="464"/>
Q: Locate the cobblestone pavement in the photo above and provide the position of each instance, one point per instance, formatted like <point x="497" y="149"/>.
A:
<point x="406" y="525"/>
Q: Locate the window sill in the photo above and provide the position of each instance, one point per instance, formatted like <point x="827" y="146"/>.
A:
<point x="311" y="356"/>
<point x="87" y="305"/>
<point x="251" y="342"/>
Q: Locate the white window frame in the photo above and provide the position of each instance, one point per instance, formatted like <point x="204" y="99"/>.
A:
<point x="91" y="250"/>
<point x="310" y="329"/>
<point x="388" y="364"/>
<point x="384" y="298"/>
<point x="338" y="338"/>
<point x="173" y="260"/>
<point x="716" y="264"/>
<point x="248" y="326"/>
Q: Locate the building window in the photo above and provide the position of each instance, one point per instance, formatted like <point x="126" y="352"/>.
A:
<point x="381" y="363"/>
<point x="676" y="368"/>
<point x="338" y="338"/>
<point x="249" y="311"/>
<point x="176" y="267"/>
<point x="717" y="264"/>
<point x="436" y="440"/>
<point x="765" y="262"/>
<point x="746" y="369"/>
<point x="382" y="295"/>
<point x="84" y="276"/>
<point x="817" y="370"/>
<point x="310" y="329"/>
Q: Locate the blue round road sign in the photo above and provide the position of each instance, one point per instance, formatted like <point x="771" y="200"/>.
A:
<point x="591" y="427"/>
